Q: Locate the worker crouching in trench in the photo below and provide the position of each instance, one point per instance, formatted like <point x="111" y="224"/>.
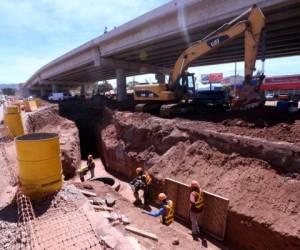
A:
<point x="166" y="210"/>
<point x="141" y="182"/>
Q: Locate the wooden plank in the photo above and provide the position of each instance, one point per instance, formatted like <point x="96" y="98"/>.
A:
<point x="88" y="193"/>
<point x="171" y="192"/>
<point x="141" y="232"/>
<point x="183" y="199"/>
<point x="214" y="216"/>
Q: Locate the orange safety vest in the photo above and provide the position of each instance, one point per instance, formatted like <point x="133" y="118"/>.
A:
<point x="147" y="178"/>
<point x="199" y="201"/>
<point x="168" y="217"/>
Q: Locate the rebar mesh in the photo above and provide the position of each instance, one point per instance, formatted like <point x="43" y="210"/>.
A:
<point x="54" y="223"/>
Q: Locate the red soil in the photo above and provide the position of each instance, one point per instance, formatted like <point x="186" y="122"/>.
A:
<point x="264" y="203"/>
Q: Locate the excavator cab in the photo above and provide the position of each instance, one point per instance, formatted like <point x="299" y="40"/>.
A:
<point x="187" y="85"/>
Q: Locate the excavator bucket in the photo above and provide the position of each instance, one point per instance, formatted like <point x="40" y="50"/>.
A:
<point x="249" y="96"/>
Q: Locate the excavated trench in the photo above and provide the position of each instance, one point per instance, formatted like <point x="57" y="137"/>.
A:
<point x="88" y="117"/>
<point x="259" y="173"/>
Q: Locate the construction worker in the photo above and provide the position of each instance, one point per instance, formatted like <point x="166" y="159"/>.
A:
<point x="166" y="210"/>
<point x="141" y="182"/>
<point x="82" y="172"/>
<point x="196" y="207"/>
<point x="91" y="165"/>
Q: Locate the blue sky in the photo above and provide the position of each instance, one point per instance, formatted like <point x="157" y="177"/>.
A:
<point x="34" y="32"/>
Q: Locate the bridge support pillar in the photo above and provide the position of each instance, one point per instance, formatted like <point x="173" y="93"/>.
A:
<point x="82" y="90"/>
<point x="161" y="78"/>
<point x="54" y="88"/>
<point x="43" y="92"/>
<point x="121" y="85"/>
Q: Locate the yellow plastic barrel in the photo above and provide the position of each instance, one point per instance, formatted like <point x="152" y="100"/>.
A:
<point x="40" y="170"/>
<point x="30" y="105"/>
<point x="13" y="120"/>
<point x="38" y="102"/>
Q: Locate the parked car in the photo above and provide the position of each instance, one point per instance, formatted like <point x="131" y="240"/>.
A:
<point x="270" y="96"/>
<point x="59" y="96"/>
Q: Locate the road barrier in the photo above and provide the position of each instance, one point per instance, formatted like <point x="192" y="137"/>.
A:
<point x="40" y="170"/>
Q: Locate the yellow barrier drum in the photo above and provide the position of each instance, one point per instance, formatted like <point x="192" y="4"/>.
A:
<point x="40" y="170"/>
<point x="13" y="120"/>
<point x="38" y="102"/>
<point x="30" y="105"/>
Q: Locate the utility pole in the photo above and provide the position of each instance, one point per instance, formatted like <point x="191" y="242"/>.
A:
<point x="234" y="88"/>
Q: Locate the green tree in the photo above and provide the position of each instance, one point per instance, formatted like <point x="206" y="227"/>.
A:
<point x="8" y="91"/>
<point x="103" y="87"/>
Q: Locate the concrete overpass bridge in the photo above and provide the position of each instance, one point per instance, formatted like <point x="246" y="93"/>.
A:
<point x="152" y="42"/>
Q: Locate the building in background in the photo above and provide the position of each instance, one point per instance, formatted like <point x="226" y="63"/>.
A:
<point x="282" y="85"/>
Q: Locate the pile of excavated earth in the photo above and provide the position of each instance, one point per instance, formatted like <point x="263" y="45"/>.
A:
<point x="251" y="164"/>
<point x="250" y="157"/>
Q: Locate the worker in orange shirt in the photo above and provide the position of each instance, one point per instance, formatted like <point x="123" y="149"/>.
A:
<point x="166" y="210"/>
<point x="196" y="207"/>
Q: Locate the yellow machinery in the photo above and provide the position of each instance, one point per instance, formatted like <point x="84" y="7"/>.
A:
<point x="13" y="120"/>
<point x="181" y="86"/>
<point x="40" y="170"/>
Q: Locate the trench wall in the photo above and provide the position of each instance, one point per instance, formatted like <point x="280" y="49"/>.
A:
<point x="127" y="145"/>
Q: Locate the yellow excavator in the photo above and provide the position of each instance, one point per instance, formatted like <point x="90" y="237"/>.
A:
<point x="179" y="93"/>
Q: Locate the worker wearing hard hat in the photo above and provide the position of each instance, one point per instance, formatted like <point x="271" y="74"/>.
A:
<point x="91" y="165"/>
<point x="166" y="210"/>
<point x="196" y="207"/>
<point x="141" y="182"/>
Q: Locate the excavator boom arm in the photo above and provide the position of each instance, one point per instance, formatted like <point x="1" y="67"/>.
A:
<point x="252" y="29"/>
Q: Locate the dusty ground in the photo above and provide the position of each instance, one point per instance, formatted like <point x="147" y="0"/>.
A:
<point x="8" y="176"/>
<point x="125" y="206"/>
<point x="8" y="180"/>
<point x="264" y="202"/>
<point x="142" y="221"/>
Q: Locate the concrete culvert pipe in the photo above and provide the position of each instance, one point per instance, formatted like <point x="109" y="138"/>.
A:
<point x="40" y="170"/>
<point x="109" y="181"/>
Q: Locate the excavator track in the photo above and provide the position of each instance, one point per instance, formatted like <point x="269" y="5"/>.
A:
<point x="147" y="107"/>
<point x="170" y="110"/>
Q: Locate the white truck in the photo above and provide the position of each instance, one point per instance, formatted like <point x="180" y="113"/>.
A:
<point x="58" y="96"/>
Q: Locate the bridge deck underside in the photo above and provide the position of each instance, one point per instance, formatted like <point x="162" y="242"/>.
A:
<point x="282" y="39"/>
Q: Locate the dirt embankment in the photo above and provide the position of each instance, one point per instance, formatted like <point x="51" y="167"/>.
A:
<point x="266" y="123"/>
<point x="263" y="193"/>
<point x="47" y="119"/>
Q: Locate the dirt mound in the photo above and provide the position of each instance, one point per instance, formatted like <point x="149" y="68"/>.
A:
<point x="264" y="199"/>
<point x="8" y="177"/>
<point x="47" y="119"/>
<point x="264" y="122"/>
